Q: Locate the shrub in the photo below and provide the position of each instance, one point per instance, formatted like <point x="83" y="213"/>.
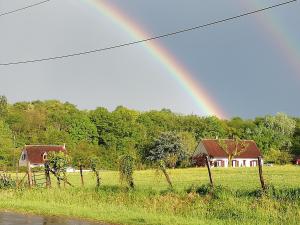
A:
<point x="59" y="161"/>
<point x="126" y="168"/>
<point x="216" y="192"/>
<point x="6" y="182"/>
<point x="94" y="164"/>
<point x="280" y="194"/>
<point x="279" y="157"/>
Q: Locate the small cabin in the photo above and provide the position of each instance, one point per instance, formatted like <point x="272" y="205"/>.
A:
<point x="36" y="155"/>
<point x="248" y="156"/>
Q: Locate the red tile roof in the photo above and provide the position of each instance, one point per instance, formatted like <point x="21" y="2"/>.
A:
<point x="35" y="152"/>
<point x="214" y="149"/>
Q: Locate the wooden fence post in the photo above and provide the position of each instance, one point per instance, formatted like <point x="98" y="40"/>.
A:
<point x="208" y="168"/>
<point x="262" y="182"/>
<point x="47" y="174"/>
<point x="29" y="174"/>
<point x="81" y="175"/>
<point x="58" y="181"/>
<point x="17" y="175"/>
<point x="34" y="179"/>
<point x="98" y="178"/>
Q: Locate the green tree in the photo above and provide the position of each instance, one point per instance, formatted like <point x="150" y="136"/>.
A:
<point x="119" y="131"/>
<point x="189" y="144"/>
<point x="82" y="152"/>
<point x="6" y="145"/>
<point x="53" y="136"/>
<point x="3" y="106"/>
<point x="275" y="132"/>
<point x="81" y="128"/>
<point x="278" y="157"/>
<point x="27" y="122"/>
<point x="101" y="118"/>
<point x="166" y="150"/>
<point x="296" y="138"/>
<point x="237" y="127"/>
<point x="213" y="127"/>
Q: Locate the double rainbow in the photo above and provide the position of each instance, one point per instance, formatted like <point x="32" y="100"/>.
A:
<point x="283" y="41"/>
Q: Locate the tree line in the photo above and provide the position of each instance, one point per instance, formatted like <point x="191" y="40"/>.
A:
<point x="109" y="135"/>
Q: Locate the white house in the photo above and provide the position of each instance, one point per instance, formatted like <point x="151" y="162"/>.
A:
<point x="247" y="155"/>
<point x="35" y="155"/>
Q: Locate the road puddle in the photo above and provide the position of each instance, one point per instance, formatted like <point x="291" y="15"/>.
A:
<point x="7" y="218"/>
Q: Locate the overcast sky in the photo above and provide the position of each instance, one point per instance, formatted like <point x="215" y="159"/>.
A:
<point x="244" y="65"/>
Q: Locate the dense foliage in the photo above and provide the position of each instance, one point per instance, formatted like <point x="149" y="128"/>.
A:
<point x="108" y="135"/>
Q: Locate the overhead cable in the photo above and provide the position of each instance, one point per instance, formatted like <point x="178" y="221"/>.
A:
<point x="148" y="39"/>
<point x="24" y="8"/>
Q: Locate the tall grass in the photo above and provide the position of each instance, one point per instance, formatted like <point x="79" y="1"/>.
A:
<point x="236" y="199"/>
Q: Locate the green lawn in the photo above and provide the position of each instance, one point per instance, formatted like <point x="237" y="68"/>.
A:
<point x="152" y="203"/>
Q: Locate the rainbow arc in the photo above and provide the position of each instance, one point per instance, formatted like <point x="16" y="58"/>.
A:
<point x="184" y="78"/>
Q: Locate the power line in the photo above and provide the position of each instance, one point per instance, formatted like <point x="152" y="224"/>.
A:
<point x="148" y="39"/>
<point x="24" y="8"/>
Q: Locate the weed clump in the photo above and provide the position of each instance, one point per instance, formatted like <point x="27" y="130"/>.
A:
<point x="280" y="194"/>
<point x="6" y="182"/>
<point x="216" y="192"/>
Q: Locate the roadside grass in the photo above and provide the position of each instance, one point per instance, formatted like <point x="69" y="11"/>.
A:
<point x="236" y="200"/>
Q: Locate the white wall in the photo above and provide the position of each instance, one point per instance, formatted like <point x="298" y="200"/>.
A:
<point x="240" y="161"/>
<point x="200" y="149"/>
<point x="21" y="161"/>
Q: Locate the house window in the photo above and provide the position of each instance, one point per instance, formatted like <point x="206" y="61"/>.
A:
<point x="45" y="156"/>
<point x="23" y="156"/>
<point x="219" y="163"/>
<point x="253" y="163"/>
<point x="235" y="163"/>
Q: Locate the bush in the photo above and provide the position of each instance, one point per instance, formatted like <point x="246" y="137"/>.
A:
<point x="216" y="192"/>
<point x="279" y="157"/>
<point x="6" y="182"/>
<point x="126" y="167"/>
<point x="280" y="194"/>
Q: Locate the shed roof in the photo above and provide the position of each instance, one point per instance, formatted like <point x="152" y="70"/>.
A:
<point x="35" y="152"/>
<point x="214" y="149"/>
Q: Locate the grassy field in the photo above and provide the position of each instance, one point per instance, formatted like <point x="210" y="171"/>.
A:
<point x="237" y="201"/>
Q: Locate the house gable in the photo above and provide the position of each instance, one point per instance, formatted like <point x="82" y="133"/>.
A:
<point x="36" y="154"/>
<point x="200" y="149"/>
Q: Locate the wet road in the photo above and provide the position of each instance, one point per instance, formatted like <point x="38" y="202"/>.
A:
<point x="7" y="218"/>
